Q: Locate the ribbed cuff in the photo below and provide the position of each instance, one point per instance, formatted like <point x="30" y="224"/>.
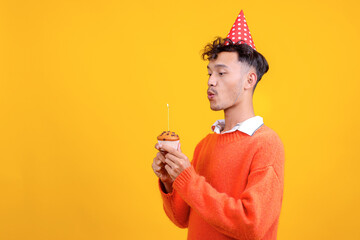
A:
<point x="163" y="194"/>
<point x="184" y="177"/>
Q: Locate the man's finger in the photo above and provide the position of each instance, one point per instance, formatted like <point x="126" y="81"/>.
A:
<point x="160" y="156"/>
<point x="158" y="145"/>
<point x="170" y="163"/>
<point x="169" y="170"/>
<point x="171" y="150"/>
<point x="155" y="168"/>
<point x="157" y="162"/>
<point x="172" y="158"/>
<point x="178" y="153"/>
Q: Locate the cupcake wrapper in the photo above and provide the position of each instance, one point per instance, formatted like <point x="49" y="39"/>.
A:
<point x="174" y="144"/>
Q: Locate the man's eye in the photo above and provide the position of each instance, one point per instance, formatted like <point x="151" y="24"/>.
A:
<point x="221" y="73"/>
<point x="209" y="74"/>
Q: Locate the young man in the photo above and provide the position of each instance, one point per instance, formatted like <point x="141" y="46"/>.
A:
<point x="233" y="187"/>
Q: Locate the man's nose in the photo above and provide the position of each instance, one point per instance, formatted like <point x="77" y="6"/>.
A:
<point x="212" y="81"/>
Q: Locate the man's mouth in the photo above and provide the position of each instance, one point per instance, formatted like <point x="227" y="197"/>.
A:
<point x="211" y="95"/>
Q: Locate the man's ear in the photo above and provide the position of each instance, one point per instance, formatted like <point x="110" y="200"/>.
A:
<point x="251" y="79"/>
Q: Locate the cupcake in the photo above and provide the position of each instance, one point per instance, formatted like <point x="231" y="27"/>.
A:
<point x="169" y="138"/>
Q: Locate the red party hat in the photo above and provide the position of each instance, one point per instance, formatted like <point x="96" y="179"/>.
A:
<point x="240" y="33"/>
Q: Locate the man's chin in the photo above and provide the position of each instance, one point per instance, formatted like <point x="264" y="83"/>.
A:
<point x="215" y="108"/>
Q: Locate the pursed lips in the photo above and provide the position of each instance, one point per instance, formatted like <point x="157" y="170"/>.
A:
<point x="211" y="94"/>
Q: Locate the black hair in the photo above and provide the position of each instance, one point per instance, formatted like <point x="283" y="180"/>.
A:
<point x="245" y="52"/>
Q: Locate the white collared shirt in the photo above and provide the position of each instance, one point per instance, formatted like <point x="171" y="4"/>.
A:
<point x="249" y="126"/>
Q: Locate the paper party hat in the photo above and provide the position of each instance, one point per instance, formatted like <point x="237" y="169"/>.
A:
<point x="240" y="33"/>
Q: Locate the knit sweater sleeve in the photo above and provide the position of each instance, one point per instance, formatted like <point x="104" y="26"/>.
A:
<point x="174" y="206"/>
<point x="252" y="214"/>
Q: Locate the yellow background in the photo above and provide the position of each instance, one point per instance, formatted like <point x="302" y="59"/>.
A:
<point x="83" y="93"/>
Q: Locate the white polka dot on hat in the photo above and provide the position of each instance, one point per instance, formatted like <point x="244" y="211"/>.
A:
<point x="242" y="32"/>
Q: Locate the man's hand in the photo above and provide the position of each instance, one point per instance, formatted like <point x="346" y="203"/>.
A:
<point x="158" y="166"/>
<point x="175" y="160"/>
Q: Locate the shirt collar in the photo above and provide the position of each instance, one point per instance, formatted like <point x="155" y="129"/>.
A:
<point x="249" y="126"/>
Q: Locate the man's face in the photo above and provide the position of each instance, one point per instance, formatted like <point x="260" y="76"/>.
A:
<point x="227" y="76"/>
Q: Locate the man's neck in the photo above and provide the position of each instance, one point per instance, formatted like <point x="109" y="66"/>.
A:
<point x="238" y="113"/>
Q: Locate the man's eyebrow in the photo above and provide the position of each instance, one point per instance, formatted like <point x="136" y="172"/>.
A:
<point x="219" y="65"/>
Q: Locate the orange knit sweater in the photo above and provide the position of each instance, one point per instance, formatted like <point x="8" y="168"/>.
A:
<point x="233" y="188"/>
